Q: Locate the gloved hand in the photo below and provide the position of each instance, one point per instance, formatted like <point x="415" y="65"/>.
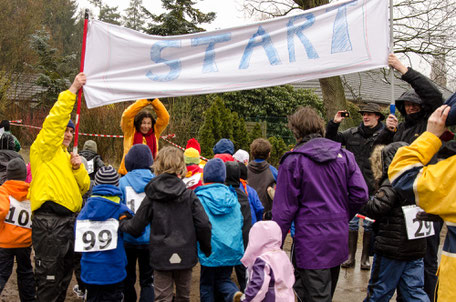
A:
<point x="125" y="215"/>
<point x="423" y="216"/>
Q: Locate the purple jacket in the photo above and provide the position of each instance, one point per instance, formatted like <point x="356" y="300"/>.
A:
<point x="320" y="187"/>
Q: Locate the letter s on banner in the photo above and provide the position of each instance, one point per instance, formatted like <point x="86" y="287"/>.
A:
<point x="175" y="66"/>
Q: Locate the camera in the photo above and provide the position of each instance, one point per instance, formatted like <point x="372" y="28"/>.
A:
<point x="345" y="114"/>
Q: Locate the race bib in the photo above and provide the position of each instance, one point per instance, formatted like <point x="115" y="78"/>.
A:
<point x="96" y="236"/>
<point x="90" y="166"/>
<point x="192" y="180"/>
<point x="416" y="228"/>
<point x="133" y="200"/>
<point x="20" y="213"/>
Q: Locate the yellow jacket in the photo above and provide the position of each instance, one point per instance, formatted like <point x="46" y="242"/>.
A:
<point x="433" y="188"/>
<point x="128" y="127"/>
<point x="14" y="236"/>
<point x="53" y="176"/>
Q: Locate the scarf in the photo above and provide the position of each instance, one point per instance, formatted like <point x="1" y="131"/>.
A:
<point x="151" y="140"/>
<point x="367" y="132"/>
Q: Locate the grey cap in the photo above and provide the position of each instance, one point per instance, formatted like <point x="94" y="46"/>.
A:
<point x="16" y="169"/>
<point x="90" y="145"/>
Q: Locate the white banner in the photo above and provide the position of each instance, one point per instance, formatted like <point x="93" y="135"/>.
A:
<point x="344" y="37"/>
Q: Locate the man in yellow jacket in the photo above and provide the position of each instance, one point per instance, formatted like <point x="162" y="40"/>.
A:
<point x="59" y="181"/>
<point x="433" y="188"/>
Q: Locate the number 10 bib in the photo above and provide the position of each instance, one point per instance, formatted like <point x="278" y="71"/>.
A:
<point x="96" y="236"/>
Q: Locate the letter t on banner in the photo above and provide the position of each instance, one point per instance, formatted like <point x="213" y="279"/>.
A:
<point x="81" y="69"/>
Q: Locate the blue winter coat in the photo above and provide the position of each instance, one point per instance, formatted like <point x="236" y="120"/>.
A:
<point x="224" y="212"/>
<point x="137" y="179"/>
<point x="106" y="267"/>
<point x="256" y="207"/>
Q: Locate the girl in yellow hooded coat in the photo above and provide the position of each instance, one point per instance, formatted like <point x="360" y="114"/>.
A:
<point x="140" y="127"/>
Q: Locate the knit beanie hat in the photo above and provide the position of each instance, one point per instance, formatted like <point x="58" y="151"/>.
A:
<point x="106" y="175"/>
<point x="224" y="146"/>
<point x="191" y="156"/>
<point x="5" y="124"/>
<point x="70" y="124"/>
<point x="242" y="156"/>
<point x="193" y="143"/>
<point x="90" y="145"/>
<point x="214" y="171"/>
<point x="16" y="169"/>
<point x="139" y="157"/>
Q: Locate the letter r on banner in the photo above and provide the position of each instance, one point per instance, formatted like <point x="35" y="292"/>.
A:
<point x="175" y="66"/>
<point x="297" y="30"/>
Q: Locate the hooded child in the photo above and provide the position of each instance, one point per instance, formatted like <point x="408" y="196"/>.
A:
<point x="138" y="163"/>
<point x="99" y="239"/>
<point x="224" y="150"/>
<point x="222" y="206"/>
<point x="178" y="222"/>
<point x="269" y="268"/>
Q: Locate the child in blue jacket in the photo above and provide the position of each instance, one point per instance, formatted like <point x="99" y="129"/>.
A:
<point x="138" y="162"/>
<point x="224" y="211"/>
<point x="98" y="238"/>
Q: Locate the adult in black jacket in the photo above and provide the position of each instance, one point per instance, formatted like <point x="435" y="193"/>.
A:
<point x="177" y="221"/>
<point x="359" y="140"/>
<point x="7" y="153"/>
<point x="398" y="262"/>
<point x="233" y="175"/>
<point x="416" y="106"/>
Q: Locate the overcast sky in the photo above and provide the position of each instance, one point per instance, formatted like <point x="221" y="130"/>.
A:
<point x="228" y="12"/>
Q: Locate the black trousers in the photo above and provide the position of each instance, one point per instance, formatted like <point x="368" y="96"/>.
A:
<point x="53" y="242"/>
<point x="431" y="261"/>
<point x="141" y="255"/>
<point x="105" y="293"/>
<point x="24" y="270"/>
<point x="318" y="285"/>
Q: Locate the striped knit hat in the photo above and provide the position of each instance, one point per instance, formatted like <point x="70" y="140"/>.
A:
<point x="106" y="175"/>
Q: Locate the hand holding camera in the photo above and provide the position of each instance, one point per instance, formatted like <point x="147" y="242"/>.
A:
<point x="340" y="116"/>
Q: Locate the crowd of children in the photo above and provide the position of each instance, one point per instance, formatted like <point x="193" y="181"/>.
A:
<point x="166" y="210"/>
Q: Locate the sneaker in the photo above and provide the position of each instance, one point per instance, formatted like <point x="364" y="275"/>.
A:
<point x="80" y="293"/>
<point x="237" y="297"/>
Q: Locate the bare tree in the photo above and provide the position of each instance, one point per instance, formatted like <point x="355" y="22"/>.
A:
<point x="421" y="27"/>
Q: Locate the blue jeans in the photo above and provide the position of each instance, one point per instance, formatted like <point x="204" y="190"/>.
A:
<point x="388" y="274"/>
<point x="353" y="225"/>
<point x="219" y="278"/>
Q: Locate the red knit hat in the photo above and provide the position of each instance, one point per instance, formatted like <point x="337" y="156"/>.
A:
<point x="193" y="143"/>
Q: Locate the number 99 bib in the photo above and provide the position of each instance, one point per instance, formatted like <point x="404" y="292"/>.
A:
<point x="96" y="236"/>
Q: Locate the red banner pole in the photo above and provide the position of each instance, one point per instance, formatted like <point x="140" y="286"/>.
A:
<point x="81" y="69"/>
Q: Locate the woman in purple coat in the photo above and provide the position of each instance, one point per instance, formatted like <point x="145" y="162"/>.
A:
<point x="319" y="187"/>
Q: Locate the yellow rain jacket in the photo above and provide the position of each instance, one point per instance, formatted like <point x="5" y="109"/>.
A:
<point x="433" y="188"/>
<point x="53" y="176"/>
<point x="128" y="127"/>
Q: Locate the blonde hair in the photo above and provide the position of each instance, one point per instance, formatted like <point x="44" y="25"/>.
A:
<point x="170" y="160"/>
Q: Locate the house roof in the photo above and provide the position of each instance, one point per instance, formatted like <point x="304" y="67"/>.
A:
<point x="368" y="86"/>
